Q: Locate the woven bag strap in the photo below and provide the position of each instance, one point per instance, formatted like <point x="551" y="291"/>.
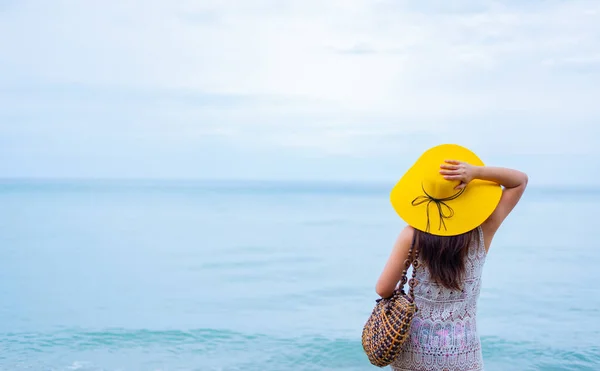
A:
<point x="407" y="263"/>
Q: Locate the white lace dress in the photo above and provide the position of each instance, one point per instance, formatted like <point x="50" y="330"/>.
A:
<point x="443" y="333"/>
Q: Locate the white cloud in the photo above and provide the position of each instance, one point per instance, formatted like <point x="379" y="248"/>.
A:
<point x="342" y="77"/>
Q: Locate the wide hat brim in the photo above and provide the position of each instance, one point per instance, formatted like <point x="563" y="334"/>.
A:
<point x="468" y="210"/>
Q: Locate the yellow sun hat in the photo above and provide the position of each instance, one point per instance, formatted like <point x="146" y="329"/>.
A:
<point x="428" y="202"/>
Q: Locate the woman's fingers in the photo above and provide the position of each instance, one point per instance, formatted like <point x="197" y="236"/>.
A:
<point x="453" y="177"/>
<point x="452" y="172"/>
<point x="461" y="186"/>
<point x="449" y="167"/>
<point x="454" y="162"/>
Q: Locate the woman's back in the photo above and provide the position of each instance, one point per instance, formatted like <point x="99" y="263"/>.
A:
<point x="443" y="333"/>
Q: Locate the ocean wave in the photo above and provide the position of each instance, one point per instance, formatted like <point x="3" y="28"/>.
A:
<point x="220" y="349"/>
<point x="266" y="349"/>
<point x="535" y="356"/>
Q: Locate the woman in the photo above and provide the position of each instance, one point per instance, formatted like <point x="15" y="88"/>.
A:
<point x="453" y="205"/>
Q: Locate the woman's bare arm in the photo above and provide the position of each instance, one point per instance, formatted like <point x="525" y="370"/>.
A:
<point x="513" y="182"/>
<point x="392" y="272"/>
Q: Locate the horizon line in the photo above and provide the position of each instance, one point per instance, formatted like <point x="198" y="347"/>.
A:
<point x="273" y="181"/>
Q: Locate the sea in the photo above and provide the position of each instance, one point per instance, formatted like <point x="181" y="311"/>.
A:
<point x="255" y="275"/>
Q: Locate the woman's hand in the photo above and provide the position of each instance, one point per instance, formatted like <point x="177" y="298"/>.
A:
<point x="457" y="170"/>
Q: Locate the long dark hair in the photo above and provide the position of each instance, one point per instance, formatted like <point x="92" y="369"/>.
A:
<point x="444" y="256"/>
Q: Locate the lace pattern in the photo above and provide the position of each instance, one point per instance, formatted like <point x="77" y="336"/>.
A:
<point x="443" y="333"/>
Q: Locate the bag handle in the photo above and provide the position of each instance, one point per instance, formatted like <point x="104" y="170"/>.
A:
<point x="407" y="263"/>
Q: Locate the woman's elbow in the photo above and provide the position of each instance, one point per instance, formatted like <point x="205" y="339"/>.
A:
<point x="384" y="292"/>
<point x="525" y="179"/>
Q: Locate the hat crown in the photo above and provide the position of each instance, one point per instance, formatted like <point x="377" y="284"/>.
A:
<point x="438" y="187"/>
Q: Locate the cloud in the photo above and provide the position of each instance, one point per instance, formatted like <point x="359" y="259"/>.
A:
<point x="355" y="78"/>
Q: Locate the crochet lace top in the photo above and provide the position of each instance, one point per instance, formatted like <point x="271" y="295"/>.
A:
<point x="443" y="333"/>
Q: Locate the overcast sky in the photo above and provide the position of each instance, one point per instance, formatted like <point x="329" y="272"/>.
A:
<point x="303" y="89"/>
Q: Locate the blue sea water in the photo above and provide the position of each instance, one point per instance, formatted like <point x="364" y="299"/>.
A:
<point x="115" y="275"/>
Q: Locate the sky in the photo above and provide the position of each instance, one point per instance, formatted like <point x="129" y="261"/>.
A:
<point x="296" y="90"/>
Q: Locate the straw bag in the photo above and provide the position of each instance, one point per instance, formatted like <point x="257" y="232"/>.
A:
<point x="388" y="326"/>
